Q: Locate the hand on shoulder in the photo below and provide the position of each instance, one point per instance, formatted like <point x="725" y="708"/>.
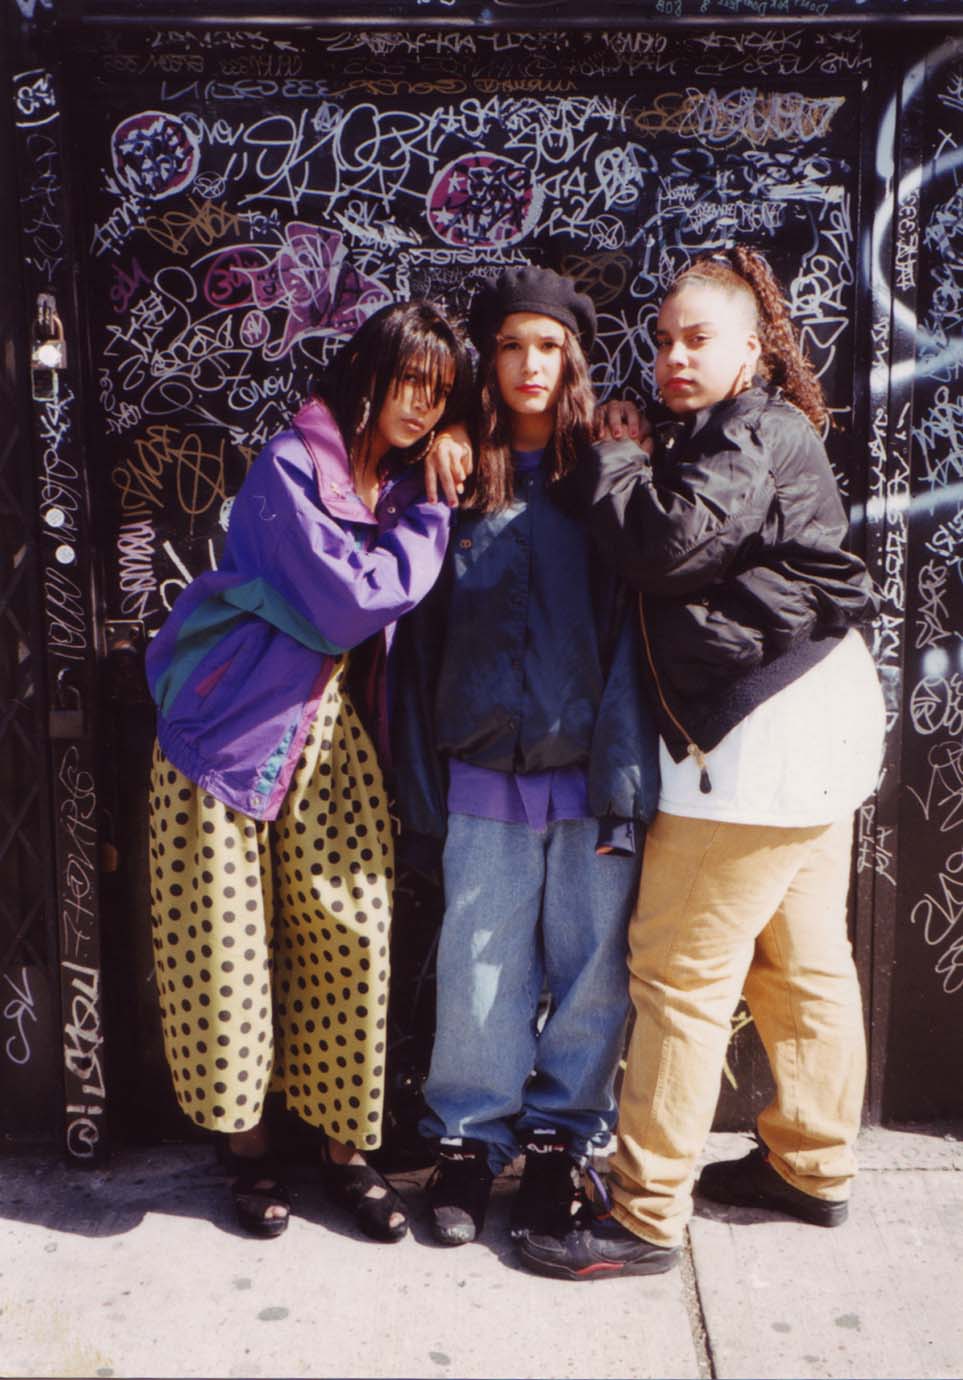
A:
<point x="619" y="419"/>
<point x="448" y="465"/>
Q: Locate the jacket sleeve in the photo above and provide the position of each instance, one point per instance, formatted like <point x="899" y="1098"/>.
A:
<point x="315" y="565"/>
<point x="421" y="773"/>
<point x="680" y="526"/>
<point x="624" y="761"/>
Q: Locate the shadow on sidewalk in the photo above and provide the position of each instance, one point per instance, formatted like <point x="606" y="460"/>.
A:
<point x="186" y="1181"/>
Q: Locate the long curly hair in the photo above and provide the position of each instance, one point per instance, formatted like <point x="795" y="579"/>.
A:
<point x="492" y="485"/>
<point x="740" y="271"/>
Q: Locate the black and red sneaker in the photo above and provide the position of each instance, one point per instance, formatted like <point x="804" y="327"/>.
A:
<point x="598" y="1247"/>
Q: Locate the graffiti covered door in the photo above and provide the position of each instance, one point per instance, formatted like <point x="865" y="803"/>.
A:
<point x="250" y="198"/>
<point x="275" y="192"/>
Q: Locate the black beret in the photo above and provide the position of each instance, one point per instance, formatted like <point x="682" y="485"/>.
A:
<point x="530" y="289"/>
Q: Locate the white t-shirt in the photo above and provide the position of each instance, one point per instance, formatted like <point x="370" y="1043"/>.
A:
<point x="808" y="755"/>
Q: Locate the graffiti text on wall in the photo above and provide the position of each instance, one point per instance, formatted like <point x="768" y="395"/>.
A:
<point x="20" y="1009"/>
<point x="935" y="600"/>
<point x="269" y="195"/>
<point x="68" y="626"/>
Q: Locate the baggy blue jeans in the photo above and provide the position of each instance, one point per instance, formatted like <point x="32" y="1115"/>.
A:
<point x="527" y="909"/>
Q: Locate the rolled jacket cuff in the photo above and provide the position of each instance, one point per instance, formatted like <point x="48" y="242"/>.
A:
<point x="616" y="835"/>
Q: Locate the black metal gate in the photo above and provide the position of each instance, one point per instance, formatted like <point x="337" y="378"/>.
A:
<point x="243" y="196"/>
<point x="29" y="1039"/>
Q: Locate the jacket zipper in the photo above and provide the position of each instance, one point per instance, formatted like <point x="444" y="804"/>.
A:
<point x="692" y="748"/>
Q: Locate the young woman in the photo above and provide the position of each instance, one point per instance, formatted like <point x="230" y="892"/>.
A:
<point x="271" y="850"/>
<point x="771" y="724"/>
<point x="549" y="762"/>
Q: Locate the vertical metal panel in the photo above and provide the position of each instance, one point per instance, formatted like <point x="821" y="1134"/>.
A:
<point x="925" y="1028"/>
<point x="872" y="323"/>
<point x="65" y="568"/>
<point x="890" y="397"/>
<point x="29" y="1014"/>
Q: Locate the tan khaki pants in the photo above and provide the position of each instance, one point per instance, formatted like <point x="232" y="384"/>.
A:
<point x="722" y="909"/>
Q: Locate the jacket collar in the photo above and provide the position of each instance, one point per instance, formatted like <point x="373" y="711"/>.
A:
<point x="319" y="432"/>
<point x="670" y="428"/>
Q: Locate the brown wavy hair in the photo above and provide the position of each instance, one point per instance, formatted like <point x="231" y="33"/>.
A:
<point x="492" y="485"/>
<point x="744" y="272"/>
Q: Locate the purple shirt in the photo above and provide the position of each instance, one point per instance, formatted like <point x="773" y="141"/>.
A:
<point x="535" y="798"/>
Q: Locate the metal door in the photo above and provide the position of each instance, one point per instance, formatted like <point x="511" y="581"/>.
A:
<point x="245" y="197"/>
<point x="249" y="199"/>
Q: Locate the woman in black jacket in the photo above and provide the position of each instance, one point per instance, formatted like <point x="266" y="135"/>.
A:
<point x="771" y="723"/>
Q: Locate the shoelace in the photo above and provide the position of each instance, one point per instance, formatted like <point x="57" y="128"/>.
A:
<point x="593" y="1209"/>
<point x="598" y="1183"/>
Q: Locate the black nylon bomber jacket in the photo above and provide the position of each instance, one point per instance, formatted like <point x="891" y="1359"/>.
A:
<point x="733" y="536"/>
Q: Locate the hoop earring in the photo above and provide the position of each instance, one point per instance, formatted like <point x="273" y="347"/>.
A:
<point x="427" y="444"/>
<point x="365" y="415"/>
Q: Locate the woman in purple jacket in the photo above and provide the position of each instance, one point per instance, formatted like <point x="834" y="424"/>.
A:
<point x="271" y="850"/>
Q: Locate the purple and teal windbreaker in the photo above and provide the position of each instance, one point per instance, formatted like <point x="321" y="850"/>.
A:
<point x="238" y="669"/>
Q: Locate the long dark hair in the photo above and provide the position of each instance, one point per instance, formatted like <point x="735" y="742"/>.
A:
<point x="405" y="336"/>
<point x="492" y="485"/>
<point x="744" y="272"/>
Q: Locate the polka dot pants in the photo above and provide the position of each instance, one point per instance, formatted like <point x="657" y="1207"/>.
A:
<point x="271" y="939"/>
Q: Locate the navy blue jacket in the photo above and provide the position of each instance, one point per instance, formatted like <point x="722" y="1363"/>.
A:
<point x="526" y="657"/>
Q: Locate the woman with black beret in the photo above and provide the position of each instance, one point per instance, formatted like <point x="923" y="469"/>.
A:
<point x="546" y="771"/>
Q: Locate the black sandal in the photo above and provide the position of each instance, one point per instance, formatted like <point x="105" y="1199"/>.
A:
<point x="256" y="1187"/>
<point x="348" y="1184"/>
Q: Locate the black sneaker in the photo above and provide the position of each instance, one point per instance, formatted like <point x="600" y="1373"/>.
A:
<point x="752" y="1182"/>
<point x="596" y="1248"/>
<point x="459" y="1190"/>
<point x="549" y="1194"/>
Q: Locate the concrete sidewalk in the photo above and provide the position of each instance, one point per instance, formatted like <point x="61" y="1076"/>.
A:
<point x="140" y="1271"/>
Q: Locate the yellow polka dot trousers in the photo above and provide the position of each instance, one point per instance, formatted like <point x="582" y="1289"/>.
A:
<point x="271" y="939"/>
